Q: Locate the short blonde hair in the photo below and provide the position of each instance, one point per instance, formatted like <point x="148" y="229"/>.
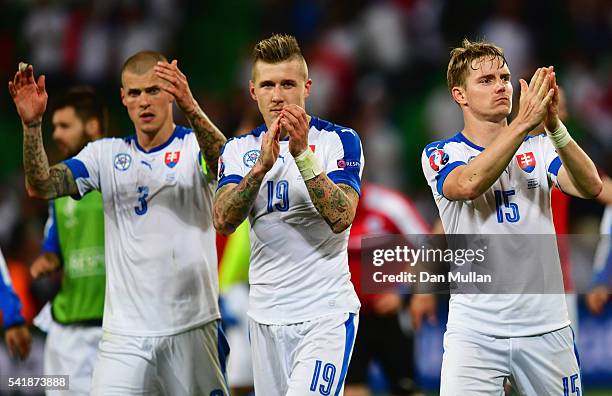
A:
<point x="461" y="59"/>
<point x="141" y="62"/>
<point x="278" y="48"/>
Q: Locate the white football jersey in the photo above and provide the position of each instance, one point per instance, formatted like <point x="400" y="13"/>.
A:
<point x="517" y="203"/>
<point x="161" y="259"/>
<point x="299" y="267"/>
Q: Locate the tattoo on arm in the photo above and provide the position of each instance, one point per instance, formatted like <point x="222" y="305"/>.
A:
<point x="337" y="203"/>
<point x="44" y="181"/>
<point x="209" y="137"/>
<point x="233" y="202"/>
<point x="62" y="181"/>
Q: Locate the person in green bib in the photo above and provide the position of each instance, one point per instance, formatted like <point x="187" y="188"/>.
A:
<point x="74" y="243"/>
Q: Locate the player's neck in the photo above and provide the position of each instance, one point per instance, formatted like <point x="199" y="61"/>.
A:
<point x="150" y="140"/>
<point x="482" y="132"/>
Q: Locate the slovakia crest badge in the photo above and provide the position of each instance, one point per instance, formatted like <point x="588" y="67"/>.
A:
<point x="171" y="158"/>
<point x="526" y="161"/>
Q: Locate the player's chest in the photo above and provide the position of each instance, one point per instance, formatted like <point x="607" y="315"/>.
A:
<point x="526" y="173"/>
<point x="283" y="187"/>
<point x="136" y="174"/>
<point x="519" y="193"/>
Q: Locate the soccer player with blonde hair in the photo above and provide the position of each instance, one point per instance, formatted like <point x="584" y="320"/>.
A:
<point x="492" y="178"/>
<point x="297" y="180"/>
<point x="161" y="316"/>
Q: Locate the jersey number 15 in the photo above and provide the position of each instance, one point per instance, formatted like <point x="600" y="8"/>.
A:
<point x="505" y="209"/>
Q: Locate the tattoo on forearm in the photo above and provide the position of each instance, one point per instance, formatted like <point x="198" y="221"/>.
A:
<point x="232" y="204"/>
<point x="336" y="203"/>
<point x="62" y="181"/>
<point x="209" y="137"/>
<point x="48" y="182"/>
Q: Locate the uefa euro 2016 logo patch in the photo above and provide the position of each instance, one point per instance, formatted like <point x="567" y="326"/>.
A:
<point x="122" y="161"/>
<point x="438" y="159"/>
<point x="526" y="161"/>
<point x="171" y="158"/>
<point x="342" y="163"/>
<point x="250" y="158"/>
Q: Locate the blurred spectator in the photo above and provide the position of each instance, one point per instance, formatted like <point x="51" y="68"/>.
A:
<point x="44" y="30"/>
<point x="381" y="338"/>
<point x="602" y="276"/>
<point x="17" y="336"/>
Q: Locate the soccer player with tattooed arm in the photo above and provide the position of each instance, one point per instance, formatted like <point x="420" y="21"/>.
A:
<point x="161" y="332"/>
<point x="297" y="180"/>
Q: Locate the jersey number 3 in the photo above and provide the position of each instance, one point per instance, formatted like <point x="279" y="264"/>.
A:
<point x="142" y="198"/>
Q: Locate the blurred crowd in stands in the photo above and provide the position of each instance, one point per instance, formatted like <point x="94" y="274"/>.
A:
<point x="378" y="66"/>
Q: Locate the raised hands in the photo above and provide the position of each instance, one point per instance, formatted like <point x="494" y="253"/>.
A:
<point x="551" y="120"/>
<point x="30" y="96"/>
<point x="270" y="146"/>
<point x="294" y="121"/>
<point x="176" y="85"/>
<point x="535" y="98"/>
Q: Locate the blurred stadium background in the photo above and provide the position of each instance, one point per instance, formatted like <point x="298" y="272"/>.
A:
<point x="378" y="66"/>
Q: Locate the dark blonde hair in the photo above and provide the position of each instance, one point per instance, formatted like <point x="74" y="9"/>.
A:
<point x="461" y="58"/>
<point x="141" y="62"/>
<point x="278" y="48"/>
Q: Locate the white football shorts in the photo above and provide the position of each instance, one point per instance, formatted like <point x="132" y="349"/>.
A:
<point x="189" y="363"/>
<point x="307" y="358"/>
<point x="71" y="350"/>
<point x="477" y="364"/>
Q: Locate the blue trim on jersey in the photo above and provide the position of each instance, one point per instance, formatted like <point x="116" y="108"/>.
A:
<point x="346" y="177"/>
<point x="51" y="242"/>
<point x="264" y="128"/>
<point x="77" y="167"/>
<point x="348" y="348"/>
<point x="9" y="302"/>
<point x="441" y="143"/>
<point x="351" y="145"/>
<point x="554" y="166"/>
<point x="229" y="179"/>
<point x="465" y="140"/>
<point x="533" y="136"/>
<point x="179" y="133"/>
<point x="255" y="132"/>
<point x="441" y="176"/>
<point x="323" y="125"/>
